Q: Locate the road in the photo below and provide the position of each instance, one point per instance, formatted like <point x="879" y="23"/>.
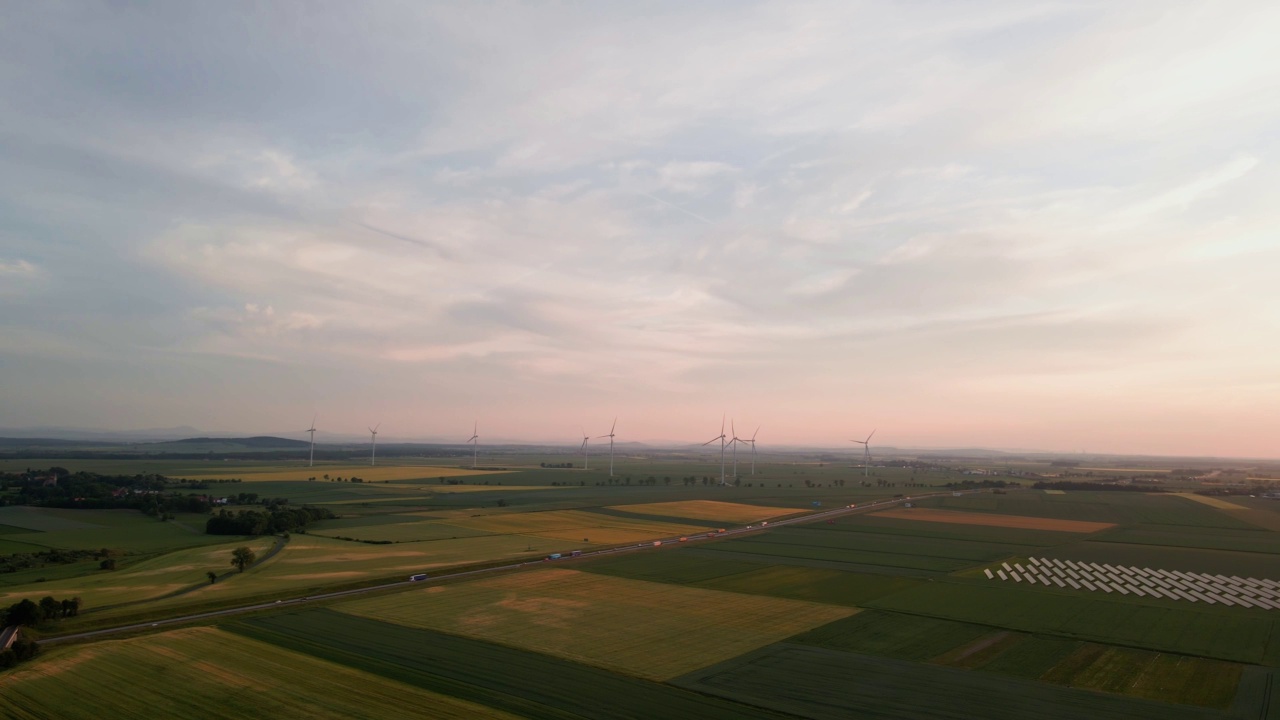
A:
<point x="758" y="527"/>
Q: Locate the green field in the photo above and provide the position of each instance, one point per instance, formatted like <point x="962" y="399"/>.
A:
<point x="1234" y="634"/>
<point x="517" y="681"/>
<point x="821" y="683"/>
<point x="152" y="578"/>
<point x="207" y="673"/>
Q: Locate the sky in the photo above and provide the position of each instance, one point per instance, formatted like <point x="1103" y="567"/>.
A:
<point x="1020" y="225"/>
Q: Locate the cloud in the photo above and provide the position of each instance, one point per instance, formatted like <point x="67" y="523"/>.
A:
<point x="535" y="212"/>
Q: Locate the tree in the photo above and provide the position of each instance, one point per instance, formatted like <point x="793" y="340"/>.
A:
<point x="108" y="564"/>
<point x="24" y="612"/>
<point x="49" y="607"/>
<point x="242" y="557"/>
<point x="213" y="577"/>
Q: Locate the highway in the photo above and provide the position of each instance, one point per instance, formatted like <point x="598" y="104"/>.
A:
<point x="277" y="604"/>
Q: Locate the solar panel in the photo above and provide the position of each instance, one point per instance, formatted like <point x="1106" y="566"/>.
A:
<point x="1120" y="588"/>
<point x="988" y="572"/>
<point x="1137" y="590"/>
<point x="1059" y="582"/>
<point x="1088" y="584"/>
<point x="1002" y="575"/>
<point x="1006" y="567"/>
<point x="1073" y="583"/>
<point x="1015" y="577"/>
<point x="1044" y="580"/>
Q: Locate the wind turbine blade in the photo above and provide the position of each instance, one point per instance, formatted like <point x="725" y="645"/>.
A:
<point x="873" y="432"/>
<point x="712" y="440"/>
<point x="753" y="435"/>
<point x="613" y="426"/>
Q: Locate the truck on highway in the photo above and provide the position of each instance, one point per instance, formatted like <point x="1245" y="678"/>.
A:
<point x="416" y="578"/>
<point x="553" y="556"/>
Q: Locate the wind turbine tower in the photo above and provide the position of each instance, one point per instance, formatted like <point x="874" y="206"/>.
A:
<point x="610" y="436"/>
<point x="311" y="459"/>
<point x="734" y="442"/>
<point x="475" y="436"/>
<point x="753" y="449"/>
<point x="721" y="439"/>
<point x="866" y="453"/>
<point x="373" y="454"/>
<point x="586" y="461"/>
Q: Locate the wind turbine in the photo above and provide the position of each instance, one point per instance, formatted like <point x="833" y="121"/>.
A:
<point x="586" y="462"/>
<point x="475" y="435"/>
<point x="311" y="460"/>
<point x="734" y="442"/>
<point x="610" y="436"/>
<point x="866" y="453"/>
<point x="373" y="455"/>
<point x="753" y="449"/>
<point x="720" y="437"/>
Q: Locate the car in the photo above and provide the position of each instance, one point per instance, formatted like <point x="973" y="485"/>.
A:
<point x="279" y="601"/>
<point x="684" y="539"/>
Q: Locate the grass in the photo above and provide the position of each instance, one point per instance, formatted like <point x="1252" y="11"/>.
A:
<point x="823" y="683"/>
<point x="524" y="683"/>
<point x="680" y="567"/>
<point x="708" y="510"/>
<point x="399" y="532"/>
<point x="151" y="578"/>
<point x="1226" y="562"/>
<point x="1122" y="508"/>
<point x="207" y="673"/>
<point x="651" y="630"/>
<point x="1033" y="656"/>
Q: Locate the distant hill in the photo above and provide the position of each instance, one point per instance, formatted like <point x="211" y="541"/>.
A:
<point x="261" y="442"/>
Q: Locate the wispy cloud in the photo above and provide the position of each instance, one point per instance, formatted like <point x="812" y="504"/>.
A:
<point x="873" y="213"/>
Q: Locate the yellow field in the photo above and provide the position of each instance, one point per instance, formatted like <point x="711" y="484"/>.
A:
<point x="709" y="510"/>
<point x="208" y="673"/>
<point x="1055" y="492"/>
<point x="148" y="579"/>
<point x="577" y="526"/>
<point x="1212" y="501"/>
<point x="652" y="630"/>
<point x="364" y="472"/>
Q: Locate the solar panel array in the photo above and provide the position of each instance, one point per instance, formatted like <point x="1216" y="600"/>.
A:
<point x="1143" y="582"/>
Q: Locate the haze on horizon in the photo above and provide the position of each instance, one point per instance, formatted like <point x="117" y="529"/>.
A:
<point x="1003" y="224"/>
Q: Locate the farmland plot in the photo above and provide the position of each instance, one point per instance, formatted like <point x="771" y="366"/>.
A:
<point x="207" y="673"/>
<point x="650" y="630"/>
<point x="821" y="683"/>
<point x="575" y="525"/>
<point x="709" y="510"/>
<point x="524" y="683"/>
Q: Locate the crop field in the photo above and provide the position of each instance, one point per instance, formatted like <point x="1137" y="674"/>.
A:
<point x="577" y="526"/>
<point x="650" y="630"/>
<point x="527" y="684"/>
<point x="32" y="528"/>
<point x="1211" y="501"/>
<point x="992" y="520"/>
<point x="416" y="529"/>
<point x="823" y="684"/>
<point x="708" y="510"/>
<point x="1157" y="676"/>
<point x="1187" y="559"/>
<point x="705" y="570"/>
<point x="151" y="578"/>
<point x="207" y="673"/>
<point x="322" y="473"/>
<point x="309" y="563"/>
<point x="879" y="523"/>
<point x="1234" y="634"/>
<point x="1121" y="508"/>
<point x="836" y="547"/>
<point x="1243" y="540"/>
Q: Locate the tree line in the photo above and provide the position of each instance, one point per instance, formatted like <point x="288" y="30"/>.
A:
<point x="275" y="519"/>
